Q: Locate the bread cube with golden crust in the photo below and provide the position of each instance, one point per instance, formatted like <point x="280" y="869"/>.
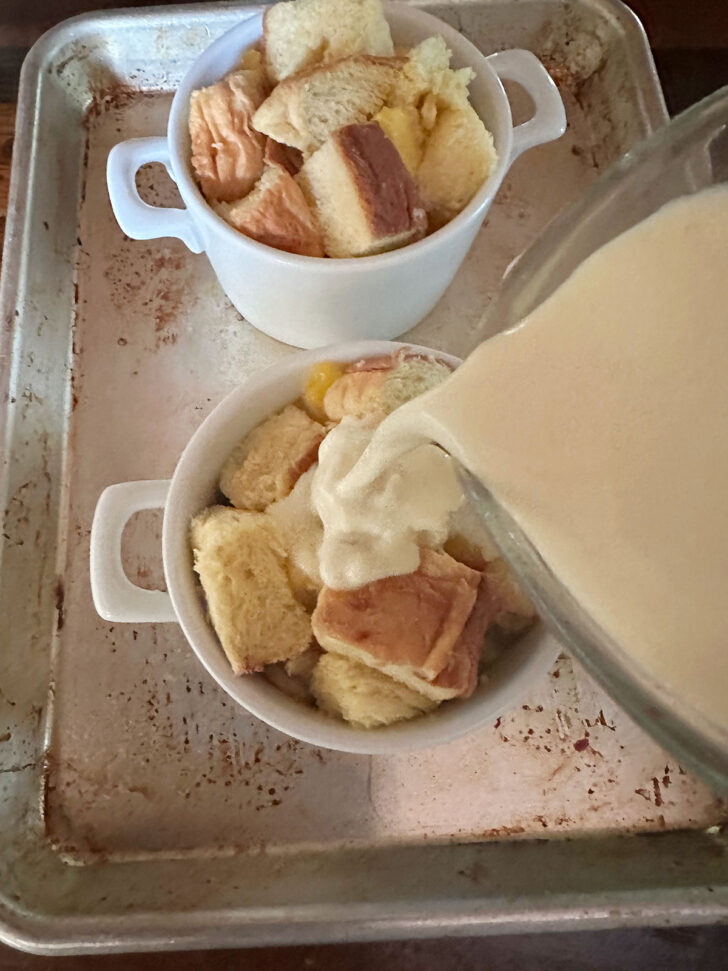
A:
<point x="422" y="629"/>
<point x="268" y="462"/>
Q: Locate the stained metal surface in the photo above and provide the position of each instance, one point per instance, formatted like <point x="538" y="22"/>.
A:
<point x="139" y="807"/>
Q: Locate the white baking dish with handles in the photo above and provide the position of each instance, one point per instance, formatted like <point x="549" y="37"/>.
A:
<point x="193" y="487"/>
<point x="310" y="301"/>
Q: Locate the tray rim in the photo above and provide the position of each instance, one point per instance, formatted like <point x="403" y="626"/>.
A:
<point x="50" y="935"/>
<point x="362" y="923"/>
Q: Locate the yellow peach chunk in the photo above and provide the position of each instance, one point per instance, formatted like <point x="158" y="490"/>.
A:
<point x="319" y="381"/>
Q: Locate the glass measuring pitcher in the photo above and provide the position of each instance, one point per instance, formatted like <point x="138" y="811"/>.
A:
<point x="687" y="155"/>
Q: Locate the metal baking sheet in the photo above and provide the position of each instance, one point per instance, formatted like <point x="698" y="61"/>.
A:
<point x="140" y="808"/>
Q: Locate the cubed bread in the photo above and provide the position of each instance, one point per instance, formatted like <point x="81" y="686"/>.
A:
<point x="305" y="109"/>
<point x="427" y="76"/>
<point x="284" y="156"/>
<point x="470" y="542"/>
<point x="458" y="158"/>
<point x="380" y="388"/>
<point x="227" y="151"/>
<point x="457" y="154"/>
<point x="413" y="628"/>
<point x="362" y="695"/>
<point x="357" y="394"/>
<point x="249" y="600"/>
<point x="365" y="200"/>
<point x="513" y="611"/>
<point x="268" y="462"/>
<point x="300" y="532"/>
<point x="275" y="213"/>
<point x="463" y="663"/>
<point x="307" y="32"/>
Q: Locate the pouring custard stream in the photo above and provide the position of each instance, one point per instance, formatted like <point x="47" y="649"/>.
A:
<point x="600" y="424"/>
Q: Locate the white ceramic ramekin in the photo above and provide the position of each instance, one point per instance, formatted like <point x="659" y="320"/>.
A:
<point x="309" y="301"/>
<point x="194" y="486"/>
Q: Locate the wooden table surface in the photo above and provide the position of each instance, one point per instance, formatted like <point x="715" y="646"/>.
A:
<point x="690" y="42"/>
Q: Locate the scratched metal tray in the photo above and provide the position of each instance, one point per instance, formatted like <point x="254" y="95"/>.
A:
<point x="138" y="807"/>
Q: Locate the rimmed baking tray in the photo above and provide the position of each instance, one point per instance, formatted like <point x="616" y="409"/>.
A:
<point x="138" y="808"/>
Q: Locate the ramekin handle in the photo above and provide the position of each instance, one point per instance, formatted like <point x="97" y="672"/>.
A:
<point x="115" y="596"/>
<point x="137" y="218"/>
<point x="548" y="121"/>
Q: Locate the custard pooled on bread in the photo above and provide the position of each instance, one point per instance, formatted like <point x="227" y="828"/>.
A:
<point x="371" y="653"/>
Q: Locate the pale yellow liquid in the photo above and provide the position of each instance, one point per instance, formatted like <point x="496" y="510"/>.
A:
<point x="601" y="425"/>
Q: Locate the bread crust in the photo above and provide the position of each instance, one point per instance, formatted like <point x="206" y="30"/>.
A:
<point x="277" y="214"/>
<point x="365" y="199"/>
<point x="388" y="192"/>
<point x="415" y="627"/>
<point x="286" y="157"/>
<point x="376" y="386"/>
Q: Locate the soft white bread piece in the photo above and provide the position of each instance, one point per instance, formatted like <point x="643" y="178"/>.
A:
<point x="268" y="462"/>
<point x="413" y="628"/>
<point x="458" y="158"/>
<point x="365" y="200"/>
<point x="375" y="387"/>
<point x="275" y="212"/>
<point x="249" y="600"/>
<point x="362" y="695"/>
<point x="227" y="152"/>
<point x="426" y="73"/>
<point x="307" y="32"/>
<point x="305" y="109"/>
